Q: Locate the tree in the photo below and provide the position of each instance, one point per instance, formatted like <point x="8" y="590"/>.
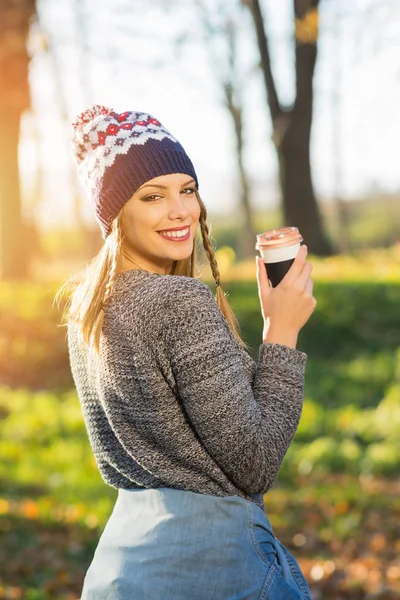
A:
<point x="232" y="83"/>
<point x="15" y="17"/>
<point x="48" y="43"/>
<point x="292" y="125"/>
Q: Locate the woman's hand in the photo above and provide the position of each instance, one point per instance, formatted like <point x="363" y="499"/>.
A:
<point x="287" y="307"/>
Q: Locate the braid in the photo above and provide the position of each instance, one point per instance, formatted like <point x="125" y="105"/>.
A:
<point x="221" y="298"/>
<point x="206" y="241"/>
<point x="94" y="285"/>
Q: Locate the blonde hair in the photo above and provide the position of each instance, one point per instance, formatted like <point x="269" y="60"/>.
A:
<point x="88" y="290"/>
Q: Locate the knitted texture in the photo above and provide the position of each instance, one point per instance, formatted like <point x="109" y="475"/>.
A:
<point x="116" y="153"/>
<point x="176" y="401"/>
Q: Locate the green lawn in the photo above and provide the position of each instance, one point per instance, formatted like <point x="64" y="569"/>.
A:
<point x="336" y="501"/>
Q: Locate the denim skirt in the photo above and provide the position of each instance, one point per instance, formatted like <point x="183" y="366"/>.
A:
<point x="169" y="544"/>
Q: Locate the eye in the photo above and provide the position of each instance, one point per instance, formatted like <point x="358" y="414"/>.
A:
<point x="151" y="198"/>
<point x="188" y="191"/>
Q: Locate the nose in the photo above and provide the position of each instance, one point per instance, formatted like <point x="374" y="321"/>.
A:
<point x="178" y="207"/>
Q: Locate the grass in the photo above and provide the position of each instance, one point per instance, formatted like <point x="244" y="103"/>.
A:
<point x="335" y="503"/>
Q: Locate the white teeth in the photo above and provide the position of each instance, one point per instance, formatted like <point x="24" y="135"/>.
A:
<point x="181" y="233"/>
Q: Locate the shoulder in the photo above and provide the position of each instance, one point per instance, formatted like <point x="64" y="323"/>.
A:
<point x="174" y="308"/>
<point x="175" y="287"/>
<point x="180" y="298"/>
<point x="152" y="296"/>
<point x="153" y="284"/>
<point x="153" y="288"/>
<point x="186" y="309"/>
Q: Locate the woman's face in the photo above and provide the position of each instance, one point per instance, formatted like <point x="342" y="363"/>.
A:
<point x="162" y="203"/>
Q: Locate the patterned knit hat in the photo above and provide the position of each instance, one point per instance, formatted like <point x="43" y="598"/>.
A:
<point x="118" y="152"/>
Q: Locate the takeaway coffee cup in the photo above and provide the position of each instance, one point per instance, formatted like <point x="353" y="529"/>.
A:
<point x="278" y="249"/>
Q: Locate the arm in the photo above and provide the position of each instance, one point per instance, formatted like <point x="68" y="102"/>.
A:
<point x="246" y="428"/>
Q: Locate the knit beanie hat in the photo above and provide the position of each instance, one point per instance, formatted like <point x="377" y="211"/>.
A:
<point x="118" y="152"/>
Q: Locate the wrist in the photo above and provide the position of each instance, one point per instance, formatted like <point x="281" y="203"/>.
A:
<point x="280" y="335"/>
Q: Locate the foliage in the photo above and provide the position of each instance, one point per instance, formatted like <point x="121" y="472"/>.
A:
<point x="330" y="500"/>
<point x="372" y="223"/>
<point x="335" y="504"/>
<point x="354" y="321"/>
<point x="52" y="498"/>
<point x="33" y="351"/>
<point x="348" y="439"/>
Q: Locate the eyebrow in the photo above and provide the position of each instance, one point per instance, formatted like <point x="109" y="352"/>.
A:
<point x="164" y="187"/>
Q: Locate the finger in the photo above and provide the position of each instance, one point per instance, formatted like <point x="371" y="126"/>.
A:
<point x="297" y="266"/>
<point x="261" y="263"/>
<point x="261" y="269"/>
<point x="304" y="275"/>
<point x="262" y="276"/>
<point x="309" y="287"/>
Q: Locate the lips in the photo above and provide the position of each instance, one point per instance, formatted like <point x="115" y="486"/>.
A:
<point x="173" y="229"/>
<point x="176" y="238"/>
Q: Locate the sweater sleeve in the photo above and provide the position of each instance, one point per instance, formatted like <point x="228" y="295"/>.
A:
<point x="245" y="426"/>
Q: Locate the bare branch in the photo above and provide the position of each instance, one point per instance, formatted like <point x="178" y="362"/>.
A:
<point x="262" y="39"/>
<point x="306" y="35"/>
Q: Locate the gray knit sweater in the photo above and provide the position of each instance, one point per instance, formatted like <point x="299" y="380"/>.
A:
<point x="175" y="401"/>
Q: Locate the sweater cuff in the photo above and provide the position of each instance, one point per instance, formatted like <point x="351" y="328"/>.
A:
<point x="283" y="356"/>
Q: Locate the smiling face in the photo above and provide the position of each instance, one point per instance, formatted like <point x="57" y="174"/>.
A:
<point x="161" y="204"/>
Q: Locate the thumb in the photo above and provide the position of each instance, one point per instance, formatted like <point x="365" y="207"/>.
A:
<point x="262" y="276"/>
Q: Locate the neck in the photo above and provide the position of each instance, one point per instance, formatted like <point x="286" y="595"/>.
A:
<point x="128" y="262"/>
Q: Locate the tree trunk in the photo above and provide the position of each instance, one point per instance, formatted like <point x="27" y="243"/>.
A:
<point x="299" y="204"/>
<point x="248" y="236"/>
<point x="63" y="110"/>
<point x="293" y="148"/>
<point x="232" y="98"/>
<point x="14" y="253"/>
<point x="292" y="127"/>
<point x="14" y="99"/>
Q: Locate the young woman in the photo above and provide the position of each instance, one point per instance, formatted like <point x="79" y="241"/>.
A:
<point x="189" y="429"/>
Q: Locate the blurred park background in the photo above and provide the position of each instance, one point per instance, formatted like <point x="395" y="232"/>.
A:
<point x="289" y="111"/>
